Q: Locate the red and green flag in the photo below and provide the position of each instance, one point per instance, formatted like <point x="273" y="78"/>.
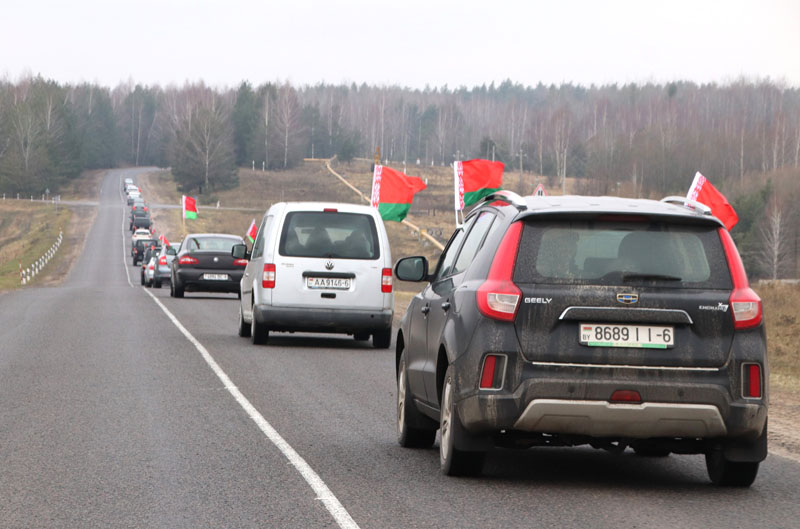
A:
<point x="475" y="179"/>
<point x="393" y="191"/>
<point x="252" y="231"/>
<point x="189" y="206"/>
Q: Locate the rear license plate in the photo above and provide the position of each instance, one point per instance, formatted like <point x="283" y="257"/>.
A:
<point x="646" y="336"/>
<point x="335" y="283"/>
<point x="216" y="277"/>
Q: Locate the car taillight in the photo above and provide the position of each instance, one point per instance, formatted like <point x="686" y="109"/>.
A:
<point x="150" y="267"/>
<point x="268" y="276"/>
<point x="240" y="262"/>
<point x="162" y="260"/>
<point x="188" y="260"/>
<point x="744" y="302"/>
<point x="386" y="280"/>
<point x="751" y="381"/>
<point x="626" y="395"/>
<point x="492" y="372"/>
<point x="498" y="296"/>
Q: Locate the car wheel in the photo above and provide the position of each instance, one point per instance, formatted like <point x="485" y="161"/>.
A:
<point x="382" y="339"/>
<point x="157" y="283"/>
<point x="244" y="328"/>
<point x="730" y="473"/>
<point x="455" y="462"/>
<point x="178" y="289"/>
<point x="259" y="334"/>
<point x="407" y="435"/>
<point x="141" y="278"/>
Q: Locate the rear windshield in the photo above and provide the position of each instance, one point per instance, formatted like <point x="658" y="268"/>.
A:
<point x="329" y="234"/>
<point x="613" y="253"/>
<point x="211" y="244"/>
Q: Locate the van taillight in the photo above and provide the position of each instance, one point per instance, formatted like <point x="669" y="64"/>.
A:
<point x="498" y="296"/>
<point x="751" y="381"/>
<point x="745" y="304"/>
<point x="386" y="281"/>
<point x="268" y="277"/>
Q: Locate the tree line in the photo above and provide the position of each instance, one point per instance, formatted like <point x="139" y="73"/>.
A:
<point x="649" y="138"/>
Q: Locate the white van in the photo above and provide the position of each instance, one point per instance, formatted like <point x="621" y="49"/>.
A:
<point x="318" y="267"/>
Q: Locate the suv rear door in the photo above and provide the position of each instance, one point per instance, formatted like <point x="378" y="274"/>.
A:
<point x="329" y="258"/>
<point x="653" y="274"/>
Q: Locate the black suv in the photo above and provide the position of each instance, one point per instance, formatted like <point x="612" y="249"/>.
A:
<point x="573" y="320"/>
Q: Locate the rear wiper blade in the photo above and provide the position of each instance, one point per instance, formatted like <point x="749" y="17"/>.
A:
<point x="658" y="277"/>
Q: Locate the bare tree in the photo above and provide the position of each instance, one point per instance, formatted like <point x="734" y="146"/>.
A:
<point x="287" y="116"/>
<point x="775" y="253"/>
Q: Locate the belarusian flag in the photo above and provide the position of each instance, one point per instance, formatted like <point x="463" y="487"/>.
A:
<point x="393" y="191"/>
<point x="163" y="239"/>
<point x="252" y="231"/>
<point x="189" y="207"/>
<point x="475" y="179"/>
<point x="702" y="191"/>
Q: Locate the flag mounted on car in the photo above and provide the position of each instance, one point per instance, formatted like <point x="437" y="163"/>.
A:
<point x="393" y="192"/>
<point x="252" y="231"/>
<point x="475" y="179"/>
<point x="189" y="206"/>
<point x="702" y="191"/>
<point x="163" y="239"/>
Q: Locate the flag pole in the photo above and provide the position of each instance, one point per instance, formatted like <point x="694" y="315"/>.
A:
<point x="183" y="214"/>
<point x="456" y="188"/>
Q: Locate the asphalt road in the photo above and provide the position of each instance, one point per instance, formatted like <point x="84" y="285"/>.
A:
<point x="111" y="417"/>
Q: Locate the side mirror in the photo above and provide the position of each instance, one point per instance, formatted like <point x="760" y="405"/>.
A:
<point x="239" y="251"/>
<point x="172" y="251"/>
<point x="412" y="269"/>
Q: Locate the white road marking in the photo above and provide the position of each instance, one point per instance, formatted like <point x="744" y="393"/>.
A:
<point x="124" y="257"/>
<point x="324" y="494"/>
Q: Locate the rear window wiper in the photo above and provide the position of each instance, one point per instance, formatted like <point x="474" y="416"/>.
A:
<point x="658" y="277"/>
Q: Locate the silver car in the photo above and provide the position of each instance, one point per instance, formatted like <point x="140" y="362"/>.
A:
<point x="162" y="264"/>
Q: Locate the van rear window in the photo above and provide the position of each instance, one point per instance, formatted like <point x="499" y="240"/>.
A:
<point x="329" y="235"/>
<point x="613" y="253"/>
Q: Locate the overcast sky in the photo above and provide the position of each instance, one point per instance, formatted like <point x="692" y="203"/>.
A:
<point x="405" y="42"/>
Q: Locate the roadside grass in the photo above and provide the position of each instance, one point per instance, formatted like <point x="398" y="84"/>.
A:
<point x="86" y="187"/>
<point x="27" y="231"/>
<point x="782" y="321"/>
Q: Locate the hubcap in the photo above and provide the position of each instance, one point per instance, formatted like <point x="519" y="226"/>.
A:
<point x="445" y="424"/>
<point x="401" y="399"/>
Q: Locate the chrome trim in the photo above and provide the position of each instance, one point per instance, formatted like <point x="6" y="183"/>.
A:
<point x="507" y="196"/>
<point x="625" y="366"/>
<point x="600" y="418"/>
<point x="683" y="313"/>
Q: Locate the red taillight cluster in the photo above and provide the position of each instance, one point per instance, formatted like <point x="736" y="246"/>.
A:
<point x="498" y="297"/>
<point x="745" y="304"/>
<point x="162" y="260"/>
<point x="386" y="281"/>
<point x="268" y="276"/>
<point x="188" y="260"/>
<point x="240" y="262"/>
<point x="150" y="267"/>
<point x="751" y="381"/>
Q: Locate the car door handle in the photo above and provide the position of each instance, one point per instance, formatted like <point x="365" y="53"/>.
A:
<point x="446" y="306"/>
<point x="426" y="309"/>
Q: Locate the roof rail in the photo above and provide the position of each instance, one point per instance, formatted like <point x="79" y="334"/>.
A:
<point x="507" y="196"/>
<point x="688" y="203"/>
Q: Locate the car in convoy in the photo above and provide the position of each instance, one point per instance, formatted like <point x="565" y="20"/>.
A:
<point x="204" y="264"/>
<point x="163" y="264"/>
<point x="562" y="321"/>
<point x="140" y="233"/>
<point x="139" y="248"/>
<point x="318" y="267"/>
<point x="127" y="182"/>
<point x="149" y="261"/>
<point x="140" y="219"/>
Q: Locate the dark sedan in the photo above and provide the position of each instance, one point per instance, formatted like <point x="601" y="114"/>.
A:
<point x="204" y="264"/>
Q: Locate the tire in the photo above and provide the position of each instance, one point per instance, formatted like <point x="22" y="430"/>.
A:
<point x="157" y="283"/>
<point x="141" y="278"/>
<point x="382" y="339"/>
<point x="409" y="436"/>
<point x="177" y="289"/>
<point x="730" y="473"/>
<point x="171" y="289"/>
<point x="455" y="462"/>
<point x="361" y="336"/>
<point x="259" y="334"/>
<point x="244" y="328"/>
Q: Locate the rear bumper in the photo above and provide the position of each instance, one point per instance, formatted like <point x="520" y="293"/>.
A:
<point x="192" y="280"/>
<point x="322" y="320"/>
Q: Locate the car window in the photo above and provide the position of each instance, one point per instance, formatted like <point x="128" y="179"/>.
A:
<point x="474" y="241"/>
<point x="329" y="234"/>
<point x="258" y="245"/>
<point x="608" y="253"/>
<point x="211" y="244"/>
<point x="445" y="265"/>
